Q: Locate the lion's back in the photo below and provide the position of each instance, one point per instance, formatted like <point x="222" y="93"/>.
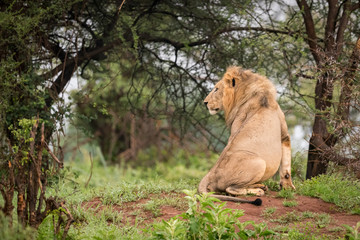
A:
<point x="261" y="135"/>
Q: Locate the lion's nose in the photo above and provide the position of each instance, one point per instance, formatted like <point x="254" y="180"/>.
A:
<point x="205" y="103"/>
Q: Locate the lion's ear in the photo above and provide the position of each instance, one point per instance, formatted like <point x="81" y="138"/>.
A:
<point x="230" y="82"/>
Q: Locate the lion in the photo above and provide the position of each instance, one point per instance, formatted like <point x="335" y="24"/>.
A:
<point x="259" y="141"/>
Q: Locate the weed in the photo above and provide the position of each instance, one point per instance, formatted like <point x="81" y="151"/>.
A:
<point x="155" y="205"/>
<point x="14" y="231"/>
<point x="136" y="212"/>
<point x="112" y="215"/>
<point x="289" y="217"/>
<point x="286" y="193"/>
<point x="336" y="229"/>
<point x="290" y="203"/>
<point x="272" y="184"/>
<point x="322" y="220"/>
<point x="207" y="218"/>
<point x="268" y="212"/>
<point x="308" y="214"/>
<point x="307" y="231"/>
<point x="352" y="232"/>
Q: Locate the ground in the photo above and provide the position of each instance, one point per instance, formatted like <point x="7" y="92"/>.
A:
<point x="307" y="214"/>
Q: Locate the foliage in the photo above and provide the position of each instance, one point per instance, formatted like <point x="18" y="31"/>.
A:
<point x="352" y="232"/>
<point x="319" y="220"/>
<point x="14" y="231"/>
<point x="206" y="218"/>
<point x="268" y="212"/>
<point x="122" y="198"/>
<point x="27" y="117"/>
<point x="337" y="189"/>
<point x="290" y="203"/>
<point x="47" y="228"/>
<point x="286" y="193"/>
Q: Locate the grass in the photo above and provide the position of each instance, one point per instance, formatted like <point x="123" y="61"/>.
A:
<point x="290" y="203"/>
<point x="114" y="187"/>
<point x="268" y="212"/>
<point x="154" y="205"/>
<point x="130" y="198"/>
<point x="286" y="193"/>
<point x="342" y="191"/>
<point x="320" y="220"/>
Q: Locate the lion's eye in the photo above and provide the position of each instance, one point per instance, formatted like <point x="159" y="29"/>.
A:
<point x="216" y="89"/>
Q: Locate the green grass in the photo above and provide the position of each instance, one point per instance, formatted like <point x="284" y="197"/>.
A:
<point x="286" y="193"/>
<point x="342" y="191"/>
<point x="321" y="220"/>
<point x="113" y="187"/>
<point x="268" y="212"/>
<point x="154" y="205"/>
<point x="290" y="203"/>
<point x="129" y="198"/>
<point x="14" y="231"/>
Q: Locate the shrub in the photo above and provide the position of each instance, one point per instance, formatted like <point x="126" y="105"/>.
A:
<point x="16" y="231"/>
<point x="207" y="218"/>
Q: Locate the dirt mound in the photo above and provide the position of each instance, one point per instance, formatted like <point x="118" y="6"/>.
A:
<point x="311" y="214"/>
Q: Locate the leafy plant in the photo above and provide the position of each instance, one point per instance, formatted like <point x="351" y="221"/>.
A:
<point x="14" y="231"/>
<point x="322" y="220"/>
<point x="352" y="232"/>
<point x="289" y="217"/>
<point x="290" y="203"/>
<point x="154" y="205"/>
<point x="207" y="218"/>
<point x="286" y="193"/>
<point x="268" y="212"/>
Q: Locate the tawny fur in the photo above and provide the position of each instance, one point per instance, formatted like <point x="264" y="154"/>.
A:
<point x="259" y="141"/>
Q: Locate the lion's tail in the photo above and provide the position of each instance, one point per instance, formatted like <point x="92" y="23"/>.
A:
<point x="256" y="202"/>
<point x="203" y="189"/>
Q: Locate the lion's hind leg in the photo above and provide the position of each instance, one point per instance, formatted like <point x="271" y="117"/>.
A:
<point x="246" y="172"/>
<point x="245" y="191"/>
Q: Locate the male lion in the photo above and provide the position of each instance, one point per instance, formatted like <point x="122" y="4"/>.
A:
<point x="259" y="139"/>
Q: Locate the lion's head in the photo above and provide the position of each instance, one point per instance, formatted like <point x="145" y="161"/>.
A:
<point x="237" y="87"/>
<point x="214" y="101"/>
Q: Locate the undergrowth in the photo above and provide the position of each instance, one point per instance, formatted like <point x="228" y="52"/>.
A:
<point x="14" y="231"/>
<point x="205" y="219"/>
<point x="337" y="189"/>
<point x="162" y="185"/>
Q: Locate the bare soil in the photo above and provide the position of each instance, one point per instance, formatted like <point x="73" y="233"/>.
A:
<point x="134" y="212"/>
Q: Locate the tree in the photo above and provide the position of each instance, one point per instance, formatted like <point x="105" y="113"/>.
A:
<point x="169" y="51"/>
<point x="333" y="63"/>
<point x="44" y="43"/>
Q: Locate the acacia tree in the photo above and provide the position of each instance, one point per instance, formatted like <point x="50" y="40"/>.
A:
<point x="335" y="62"/>
<point x="44" y="43"/>
<point x="172" y="47"/>
<point x="314" y="43"/>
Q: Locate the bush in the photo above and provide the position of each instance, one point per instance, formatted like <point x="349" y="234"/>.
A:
<point x="16" y="231"/>
<point x="206" y="218"/>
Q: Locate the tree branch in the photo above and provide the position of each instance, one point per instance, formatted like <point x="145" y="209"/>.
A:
<point x="69" y="67"/>
<point x="342" y="26"/>
<point x="330" y="26"/>
<point x="346" y="88"/>
<point x="178" y="45"/>
<point x="310" y="29"/>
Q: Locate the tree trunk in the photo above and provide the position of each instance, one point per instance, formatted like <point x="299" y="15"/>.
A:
<point x="316" y="164"/>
